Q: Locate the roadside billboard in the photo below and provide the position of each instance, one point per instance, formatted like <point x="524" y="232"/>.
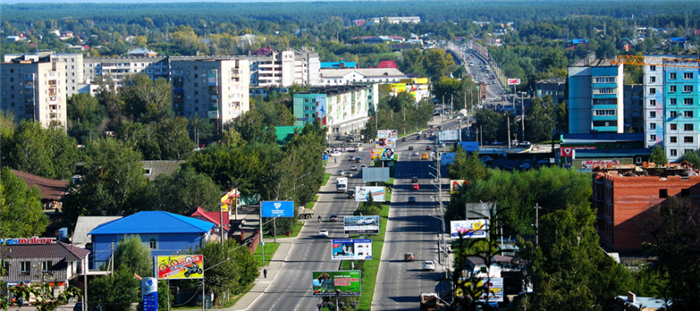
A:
<point x="180" y="267"/>
<point x="375" y="174"/>
<point x="349" y="282"/>
<point x="514" y="81"/>
<point x="277" y="208"/>
<point x="352" y="249"/>
<point x="456" y="185"/>
<point x="321" y="109"/>
<point x="448" y="135"/>
<point x="387" y="154"/>
<point x="471" y="229"/>
<point x="494" y="285"/>
<point x="376" y="153"/>
<point x="386" y="139"/>
<point x="590" y="164"/>
<point x="378" y="194"/>
<point x="361" y="224"/>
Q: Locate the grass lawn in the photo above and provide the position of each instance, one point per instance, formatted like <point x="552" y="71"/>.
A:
<point x="326" y="177"/>
<point x="311" y="204"/>
<point x="281" y="234"/>
<point x="270" y="249"/>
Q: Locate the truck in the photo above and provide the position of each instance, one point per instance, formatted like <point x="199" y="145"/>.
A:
<point x="306" y="213"/>
<point x="429" y="301"/>
<point x="341" y="184"/>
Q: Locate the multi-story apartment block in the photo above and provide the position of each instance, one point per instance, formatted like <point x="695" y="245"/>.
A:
<point x="73" y="66"/>
<point x="595" y="96"/>
<point x="211" y="88"/>
<point x="552" y="87"/>
<point x="342" y="109"/>
<point x="634" y="107"/>
<point x="334" y="77"/>
<point x="283" y="69"/>
<point x="116" y="68"/>
<point x="35" y="90"/>
<point x="671" y="99"/>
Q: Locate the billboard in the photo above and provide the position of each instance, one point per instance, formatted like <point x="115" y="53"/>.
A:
<point x="569" y="151"/>
<point x="456" y="185"/>
<point x="472" y="229"/>
<point x="494" y="285"/>
<point x="386" y="139"/>
<point x="375" y="153"/>
<point x="180" y="267"/>
<point x="362" y="194"/>
<point x="277" y="208"/>
<point x="351" y="249"/>
<point x="448" y="135"/>
<point x="596" y="163"/>
<point x="361" y="224"/>
<point x="387" y="154"/>
<point x="349" y="282"/>
<point x="321" y="109"/>
<point x="375" y="174"/>
<point x="514" y="81"/>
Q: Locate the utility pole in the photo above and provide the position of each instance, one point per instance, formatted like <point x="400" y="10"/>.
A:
<point x="404" y="120"/>
<point x="481" y="132"/>
<point x="522" y="116"/>
<point x="508" y="118"/>
<point x="537" y="224"/>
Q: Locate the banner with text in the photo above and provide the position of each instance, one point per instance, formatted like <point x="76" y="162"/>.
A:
<point x="352" y="249"/>
<point x="180" y="267"/>
<point x="448" y="135"/>
<point x="591" y="164"/>
<point x="378" y="194"/>
<point x="386" y="139"/>
<point x="277" y="208"/>
<point x="491" y="288"/>
<point x="471" y="229"/>
<point x="326" y="282"/>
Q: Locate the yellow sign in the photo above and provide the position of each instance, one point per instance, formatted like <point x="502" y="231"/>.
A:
<point x="180" y="267"/>
<point x="495" y="289"/>
<point x="228" y="199"/>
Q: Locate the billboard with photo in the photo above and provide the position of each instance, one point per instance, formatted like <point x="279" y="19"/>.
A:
<point x="277" y="208"/>
<point x="596" y="163"/>
<point x="472" y="229"/>
<point x="456" y="185"/>
<point x="387" y="154"/>
<point x="349" y="282"/>
<point x="376" y="153"/>
<point x="180" y="267"/>
<point x="352" y="249"/>
<point x="361" y="224"/>
<point x="448" y="135"/>
<point x="378" y="194"/>
<point x="386" y="139"/>
<point x="321" y="109"/>
<point x="495" y="289"/>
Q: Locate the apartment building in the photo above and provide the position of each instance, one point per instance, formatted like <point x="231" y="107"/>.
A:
<point x="73" y="63"/>
<point x="116" y="68"/>
<point x="633" y="99"/>
<point x="553" y="87"/>
<point x="342" y="109"/>
<point x="671" y="99"/>
<point x="35" y="90"/>
<point x="334" y="77"/>
<point x="216" y="89"/>
<point x="595" y="96"/>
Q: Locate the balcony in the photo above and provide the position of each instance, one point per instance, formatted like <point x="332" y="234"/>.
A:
<point x="53" y="75"/>
<point x="53" y="100"/>
<point x="29" y="77"/>
<point x="214" y="99"/>
<point x="53" y="115"/>
<point x="53" y="83"/>
<point x="213" y="90"/>
<point x="53" y="108"/>
<point x="213" y="81"/>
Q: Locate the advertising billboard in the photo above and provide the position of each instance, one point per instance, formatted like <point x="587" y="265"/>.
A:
<point x="229" y="199"/>
<point x="448" y="135"/>
<point x="361" y="224"/>
<point x="514" y="81"/>
<point x="362" y="194"/>
<point x="569" y="151"/>
<point x="321" y="108"/>
<point x="351" y="249"/>
<point x="387" y="154"/>
<point x="456" y="185"/>
<point x="494" y="285"/>
<point x="471" y="229"/>
<point x="349" y="282"/>
<point x="386" y="139"/>
<point x="180" y="267"/>
<point x="375" y="153"/>
<point x="596" y="163"/>
<point x="375" y="174"/>
<point x="277" y="208"/>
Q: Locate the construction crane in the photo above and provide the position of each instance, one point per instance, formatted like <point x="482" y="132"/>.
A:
<point x="636" y="60"/>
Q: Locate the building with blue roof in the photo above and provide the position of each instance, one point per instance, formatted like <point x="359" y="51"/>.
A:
<point x="164" y="233"/>
<point x="338" y="65"/>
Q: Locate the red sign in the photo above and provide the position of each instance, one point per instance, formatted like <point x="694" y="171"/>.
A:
<point x="28" y="241"/>
<point x="514" y="81"/>
<point x="569" y="151"/>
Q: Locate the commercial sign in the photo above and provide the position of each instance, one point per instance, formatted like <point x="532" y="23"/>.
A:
<point x="493" y="285"/>
<point x="448" y="135"/>
<point x="361" y="224"/>
<point x="349" y="282"/>
<point x="470" y="229"/>
<point x="386" y="139"/>
<point x="350" y="249"/>
<point x="375" y="153"/>
<point x="362" y="194"/>
<point x="569" y="151"/>
<point x="513" y="81"/>
<point x="229" y="199"/>
<point x="277" y="208"/>
<point x="591" y="164"/>
<point x="375" y="174"/>
<point x="149" y="294"/>
<point x="180" y="267"/>
<point x="27" y="241"/>
<point x="456" y="185"/>
<point x="387" y="154"/>
<point x="321" y="109"/>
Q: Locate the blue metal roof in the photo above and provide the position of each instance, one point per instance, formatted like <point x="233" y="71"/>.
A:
<point x="340" y="64"/>
<point x="153" y="222"/>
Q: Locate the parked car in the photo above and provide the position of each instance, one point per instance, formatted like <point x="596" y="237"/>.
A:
<point x="544" y="161"/>
<point x="429" y="265"/>
<point x="525" y="166"/>
<point x="323" y="233"/>
<point x="415" y="187"/>
<point x="528" y="161"/>
<point x="334" y="218"/>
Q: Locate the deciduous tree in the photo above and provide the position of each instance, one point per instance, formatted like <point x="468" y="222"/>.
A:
<point x="134" y="255"/>
<point x="22" y="213"/>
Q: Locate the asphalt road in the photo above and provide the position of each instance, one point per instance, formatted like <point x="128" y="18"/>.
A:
<point x="412" y="228"/>
<point x="292" y="288"/>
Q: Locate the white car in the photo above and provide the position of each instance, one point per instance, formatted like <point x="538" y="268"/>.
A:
<point x="324" y="232"/>
<point x="365" y="221"/>
<point x="341" y="172"/>
<point x="336" y="154"/>
<point x="429" y="265"/>
<point x="353" y="167"/>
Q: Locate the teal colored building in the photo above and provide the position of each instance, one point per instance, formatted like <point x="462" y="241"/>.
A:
<point x="342" y="109"/>
<point x="595" y="89"/>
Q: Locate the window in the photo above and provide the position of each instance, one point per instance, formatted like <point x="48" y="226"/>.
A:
<point x="652" y="114"/>
<point x="673" y="139"/>
<point x="674" y="152"/>
<point x="652" y="102"/>
<point x="652" y="137"/>
<point x="672" y="101"/>
<point x="687" y="127"/>
<point x="152" y="244"/>
<point x="46" y="266"/>
<point x="687" y="139"/>
<point x="652" y="90"/>
<point x="687" y="75"/>
<point x="673" y="127"/>
<point x="687" y="88"/>
<point x="673" y="114"/>
<point x="688" y="113"/>
<point x="605" y="79"/>
<point x="652" y="68"/>
<point x="652" y="79"/>
<point x="24" y="267"/>
<point x="606" y="90"/>
<point x="652" y="126"/>
<point x="687" y="101"/>
<point x="671" y="88"/>
<point x="672" y="76"/>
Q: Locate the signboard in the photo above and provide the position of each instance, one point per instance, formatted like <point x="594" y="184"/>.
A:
<point x="375" y="174"/>
<point x="513" y="81"/>
<point x="456" y="185"/>
<point x="149" y="294"/>
<point x="28" y="241"/>
<point x="361" y="224"/>
<point x="180" y="267"/>
<point x="228" y="199"/>
<point x="387" y="154"/>
<point x="471" y="229"/>
<point x="325" y="157"/>
<point x="325" y="283"/>
<point x="569" y="151"/>
<point x="493" y="285"/>
<point x="277" y="208"/>
<point x="321" y="109"/>
<point x="350" y="249"/>
<point x="386" y="139"/>
<point x="375" y="153"/>
<point x="362" y="194"/>
<point x="591" y="164"/>
<point x="448" y="135"/>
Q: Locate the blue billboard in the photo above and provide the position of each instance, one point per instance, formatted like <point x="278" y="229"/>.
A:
<point x="277" y="208"/>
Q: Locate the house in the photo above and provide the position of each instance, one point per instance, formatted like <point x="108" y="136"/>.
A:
<point x="152" y="169"/>
<point x="570" y="45"/>
<point x="631" y="302"/>
<point x="164" y="233"/>
<point x="678" y="41"/>
<point x="360" y="75"/>
<point x="141" y="52"/>
<point x="625" y="44"/>
<point x="84" y="225"/>
<point x="52" y="191"/>
<point x="215" y="218"/>
<point x="32" y="258"/>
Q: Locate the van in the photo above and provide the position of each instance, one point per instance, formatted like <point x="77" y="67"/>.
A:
<point x="424" y="156"/>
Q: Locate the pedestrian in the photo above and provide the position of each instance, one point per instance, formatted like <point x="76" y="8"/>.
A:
<point x="335" y="160"/>
<point x="265" y="273"/>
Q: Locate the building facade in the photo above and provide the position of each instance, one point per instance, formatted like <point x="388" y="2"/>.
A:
<point x="553" y="87"/>
<point x="342" y="109"/>
<point x="333" y="77"/>
<point x="634" y="108"/>
<point x="117" y="68"/>
<point x="595" y="96"/>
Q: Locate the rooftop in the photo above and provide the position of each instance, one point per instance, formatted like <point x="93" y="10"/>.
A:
<point x="334" y="89"/>
<point x="85" y="224"/>
<point x="58" y="250"/>
<point x="367" y="72"/>
<point x="50" y="189"/>
<point x="153" y="222"/>
<point x="212" y="217"/>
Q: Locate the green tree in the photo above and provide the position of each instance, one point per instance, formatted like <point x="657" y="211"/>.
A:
<point x="114" y="292"/>
<point x="438" y="63"/>
<point x="85" y="115"/>
<point x="173" y="139"/>
<point x="540" y="120"/>
<point x="691" y="157"/>
<point x="134" y="255"/>
<point x="22" y="213"/>
<point x="48" y="153"/>
<point x="466" y="167"/>
<point x="658" y="156"/>
<point x="184" y="191"/>
<point x="45" y="295"/>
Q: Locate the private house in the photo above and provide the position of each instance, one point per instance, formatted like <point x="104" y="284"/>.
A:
<point x="52" y="191"/>
<point x="216" y="219"/>
<point x="84" y="225"/>
<point x="570" y="45"/>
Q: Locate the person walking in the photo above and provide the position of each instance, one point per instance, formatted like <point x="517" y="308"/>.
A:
<point x="265" y="273"/>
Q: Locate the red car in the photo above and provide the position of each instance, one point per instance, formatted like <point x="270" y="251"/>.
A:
<point x="428" y="147"/>
<point x="415" y="187"/>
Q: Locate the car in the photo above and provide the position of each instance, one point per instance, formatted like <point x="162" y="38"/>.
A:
<point x="351" y="158"/>
<point x="403" y="139"/>
<point x="353" y="167"/>
<point x="366" y="221"/>
<point x="415" y="186"/>
<point x="414" y="179"/>
<point x="348" y="174"/>
<point x="439" y="127"/>
<point x="334" y="218"/>
<point x="485" y="159"/>
<point x="429" y="265"/>
<point x="358" y="160"/>
<point x="409" y="257"/>
<point x="363" y="166"/>
<point x="351" y="194"/>
<point x="428" y="147"/>
<point x="432" y="133"/>
<point x="335" y="154"/>
<point x="410" y="148"/>
<point x="431" y="126"/>
<point x="525" y="166"/>
<point x="418" y="137"/>
<point x="415" y="153"/>
<point x="528" y="161"/>
<point x="425" y="156"/>
<point x="323" y="232"/>
<point x="341" y="172"/>
<point x="411" y="199"/>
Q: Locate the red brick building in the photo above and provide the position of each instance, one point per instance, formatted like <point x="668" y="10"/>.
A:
<point x="625" y="195"/>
